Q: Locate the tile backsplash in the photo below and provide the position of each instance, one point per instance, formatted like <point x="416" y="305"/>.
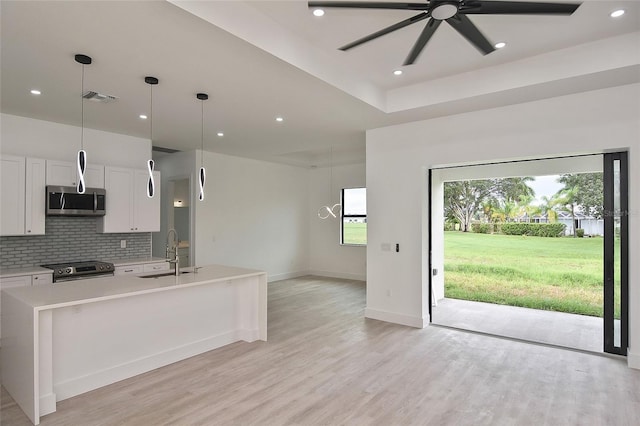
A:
<point x="70" y="239"/>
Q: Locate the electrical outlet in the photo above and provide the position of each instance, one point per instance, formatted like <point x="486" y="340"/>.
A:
<point x="123" y="243"/>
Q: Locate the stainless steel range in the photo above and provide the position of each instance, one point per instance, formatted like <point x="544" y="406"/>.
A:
<point x="78" y="270"/>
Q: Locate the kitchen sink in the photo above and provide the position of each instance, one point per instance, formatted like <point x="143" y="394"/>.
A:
<point x="163" y="274"/>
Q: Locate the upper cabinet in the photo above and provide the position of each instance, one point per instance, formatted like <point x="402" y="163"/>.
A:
<point x="128" y="207"/>
<point x="22" y="205"/>
<point x="35" y="196"/>
<point x="64" y="173"/>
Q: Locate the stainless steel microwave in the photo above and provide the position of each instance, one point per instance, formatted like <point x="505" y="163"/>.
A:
<point x="66" y="201"/>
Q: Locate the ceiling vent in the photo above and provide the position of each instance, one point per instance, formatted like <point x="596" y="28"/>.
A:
<point x="98" y="97"/>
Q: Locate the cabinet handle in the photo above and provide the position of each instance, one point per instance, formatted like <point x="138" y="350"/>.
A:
<point x="28" y="230"/>
<point x="128" y="270"/>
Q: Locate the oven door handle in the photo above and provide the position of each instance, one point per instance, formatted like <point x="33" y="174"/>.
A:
<point x="95" y="202"/>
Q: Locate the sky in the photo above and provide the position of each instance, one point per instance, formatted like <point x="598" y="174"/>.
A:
<point x="544" y="186"/>
<point x="355" y="201"/>
<point x="356" y="198"/>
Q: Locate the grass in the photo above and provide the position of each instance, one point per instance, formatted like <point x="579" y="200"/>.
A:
<point x="558" y="274"/>
<point x="354" y="233"/>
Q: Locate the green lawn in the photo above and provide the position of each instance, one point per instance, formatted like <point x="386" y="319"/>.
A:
<point x="559" y="274"/>
<point x="354" y="233"/>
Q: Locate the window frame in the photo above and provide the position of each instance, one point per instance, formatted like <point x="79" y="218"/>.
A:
<point x="343" y="216"/>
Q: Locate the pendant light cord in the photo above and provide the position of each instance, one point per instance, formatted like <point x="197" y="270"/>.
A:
<point x="202" y="134"/>
<point x="331" y="174"/>
<point x="151" y="115"/>
<point x="82" y="108"/>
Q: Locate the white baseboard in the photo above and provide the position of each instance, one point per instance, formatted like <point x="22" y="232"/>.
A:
<point x="79" y="385"/>
<point x="47" y="404"/>
<point x="286" y="275"/>
<point x="341" y="275"/>
<point x="417" y="322"/>
<point x="633" y="360"/>
<point x="248" y="335"/>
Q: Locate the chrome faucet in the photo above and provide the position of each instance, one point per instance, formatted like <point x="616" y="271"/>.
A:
<point x="173" y="249"/>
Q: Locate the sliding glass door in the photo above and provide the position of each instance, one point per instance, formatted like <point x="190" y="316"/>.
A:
<point x="615" y="253"/>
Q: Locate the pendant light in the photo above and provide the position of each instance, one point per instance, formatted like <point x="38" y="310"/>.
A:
<point x="326" y="212"/>
<point x="202" y="174"/>
<point x="151" y="185"/>
<point x="81" y="160"/>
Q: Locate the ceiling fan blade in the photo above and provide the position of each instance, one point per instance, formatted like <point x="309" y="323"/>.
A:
<point x="401" y="24"/>
<point x="479" y="7"/>
<point x="468" y="30"/>
<point x="370" y="5"/>
<point x="425" y="36"/>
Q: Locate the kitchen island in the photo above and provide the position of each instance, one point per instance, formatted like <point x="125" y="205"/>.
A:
<point x="64" y="339"/>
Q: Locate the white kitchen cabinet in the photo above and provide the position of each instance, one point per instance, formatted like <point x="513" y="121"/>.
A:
<point x="128" y="207"/>
<point x="141" y="268"/>
<point x="23" y="281"/>
<point x="129" y="270"/>
<point x="12" y="184"/>
<point x="65" y="173"/>
<point x="41" y="279"/>
<point x="146" y="211"/>
<point x="23" y="196"/>
<point x="35" y="197"/>
<point x="155" y="267"/>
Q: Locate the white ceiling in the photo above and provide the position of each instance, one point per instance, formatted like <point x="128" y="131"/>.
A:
<point x="261" y="59"/>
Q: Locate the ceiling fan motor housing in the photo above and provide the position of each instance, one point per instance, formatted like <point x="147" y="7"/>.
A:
<point x="442" y="10"/>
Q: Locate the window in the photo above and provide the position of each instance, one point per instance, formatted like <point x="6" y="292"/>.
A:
<point x="354" y="216"/>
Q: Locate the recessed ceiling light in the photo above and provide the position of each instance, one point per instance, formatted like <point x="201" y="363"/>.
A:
<point x="617" y="13"/>
<point x="318" y="12"/>
<point x="142" y="116"/>
<point x="35" y="92"/>
<point x="397" y="72"/>
<point x="220" y="134"/>
<point x="500" y="45"/>
<point x="279" y="119"/>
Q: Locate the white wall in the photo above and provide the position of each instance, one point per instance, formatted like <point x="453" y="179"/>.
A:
<point x="398" y="157"/>
<point x="255" y="214"/>
<point x="327" y="257"/>
<point x="54" y="141"/>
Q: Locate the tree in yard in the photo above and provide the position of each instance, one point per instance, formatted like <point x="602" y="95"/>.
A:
<point x="567" y="199"/>
<point x="513" y="189"/>
<point x="589" y="189"/>
<point x="546" y="209"/>
<point x="463" y="199"/>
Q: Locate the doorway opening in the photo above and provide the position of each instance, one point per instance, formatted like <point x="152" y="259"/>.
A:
<point x="177" y="214"/>
<point x="525" y="264"/>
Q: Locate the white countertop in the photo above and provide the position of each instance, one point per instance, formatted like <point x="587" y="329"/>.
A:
<point x="97" y="289"/>
<point x="16" y="272"/>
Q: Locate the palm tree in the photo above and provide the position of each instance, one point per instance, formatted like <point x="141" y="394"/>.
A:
<point x="546" y="208"/>
<point x="568" y="199"/>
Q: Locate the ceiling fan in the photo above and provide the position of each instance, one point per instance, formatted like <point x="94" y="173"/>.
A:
<point x="454" y="12"/>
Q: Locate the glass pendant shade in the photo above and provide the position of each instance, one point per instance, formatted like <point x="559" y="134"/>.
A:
<point x="151" y="184"/>
<point x="202" y="178"/>
<point x="81" y="165"/>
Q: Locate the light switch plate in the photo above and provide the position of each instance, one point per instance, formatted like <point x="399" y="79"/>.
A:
<point x="123" y="243"/>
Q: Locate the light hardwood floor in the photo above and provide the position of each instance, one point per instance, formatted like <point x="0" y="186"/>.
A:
<point x="325" y="364"/>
